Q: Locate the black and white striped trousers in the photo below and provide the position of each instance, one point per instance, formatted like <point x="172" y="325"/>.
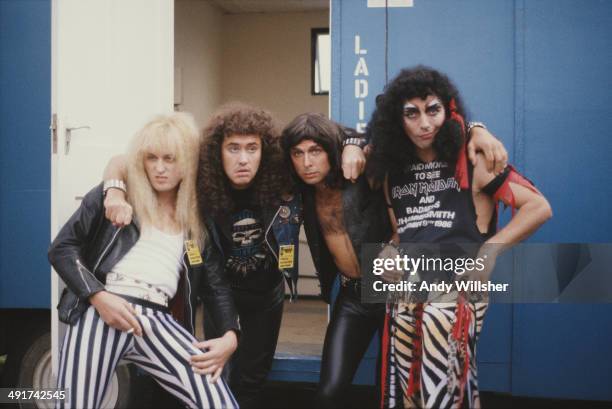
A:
<point x="92" y="350"/>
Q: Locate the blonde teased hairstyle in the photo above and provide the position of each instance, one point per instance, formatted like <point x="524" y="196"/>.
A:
<point x="176" y="133"/>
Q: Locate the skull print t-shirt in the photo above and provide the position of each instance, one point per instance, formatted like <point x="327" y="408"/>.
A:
<point x="249" y="262"/>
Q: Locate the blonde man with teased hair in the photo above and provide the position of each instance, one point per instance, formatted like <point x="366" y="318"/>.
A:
<point x="131" y="290"/>
<point x="176" y="134"/>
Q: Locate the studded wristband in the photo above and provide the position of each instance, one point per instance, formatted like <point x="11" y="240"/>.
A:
<point x="361" y="142"/>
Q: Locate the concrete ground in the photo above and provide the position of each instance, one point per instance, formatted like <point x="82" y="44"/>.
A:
<point x="281" y="395"/>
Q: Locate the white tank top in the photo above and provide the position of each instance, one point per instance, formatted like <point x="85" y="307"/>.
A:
<point x="151" y="268"/>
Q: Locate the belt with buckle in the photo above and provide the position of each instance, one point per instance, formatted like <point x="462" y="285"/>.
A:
<point x="351" y="283"/>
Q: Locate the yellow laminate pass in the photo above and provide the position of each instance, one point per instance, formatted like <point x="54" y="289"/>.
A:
<point x="285" y="256"/>
<point x="193" y="253"/>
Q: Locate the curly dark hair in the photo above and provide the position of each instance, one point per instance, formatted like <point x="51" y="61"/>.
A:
<point x="317" y="128"/>
<point x="391" y="147"/>
<point x="213" y="185"/>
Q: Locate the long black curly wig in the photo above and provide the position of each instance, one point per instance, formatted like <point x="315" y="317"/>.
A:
<point x="391" y="148"/>
<point x="213" y="185"/>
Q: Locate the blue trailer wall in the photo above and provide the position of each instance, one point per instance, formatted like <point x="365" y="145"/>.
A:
<point x="563" y="121"/>
<point x="25" y="109"/>
<point x="537" y="72"/>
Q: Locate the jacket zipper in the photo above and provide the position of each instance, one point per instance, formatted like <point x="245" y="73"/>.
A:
<point x="188" y="294"/>
<point x="106" y="249"/>
<point x="80" y="267"/>
<point x="266" y="236"/>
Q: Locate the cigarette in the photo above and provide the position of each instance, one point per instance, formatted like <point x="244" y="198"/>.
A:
<point x="129" y="331"/>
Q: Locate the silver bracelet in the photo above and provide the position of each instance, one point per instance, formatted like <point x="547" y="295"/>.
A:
<point x="471" y="125"/>
<point x="114" y="183"/>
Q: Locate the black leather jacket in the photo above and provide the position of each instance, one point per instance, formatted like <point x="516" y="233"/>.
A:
<point x="88" y="246"/>
<point x="366" y="221"/>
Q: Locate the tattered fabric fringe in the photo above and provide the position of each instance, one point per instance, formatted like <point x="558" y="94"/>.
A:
<point x="504" y="193"/>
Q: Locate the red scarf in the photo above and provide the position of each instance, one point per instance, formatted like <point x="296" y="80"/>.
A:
<point x="461" y="169"/>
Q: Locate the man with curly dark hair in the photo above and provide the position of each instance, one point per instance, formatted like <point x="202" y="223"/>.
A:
<point x="240" y="194"/>
<point x="339" y="219"/>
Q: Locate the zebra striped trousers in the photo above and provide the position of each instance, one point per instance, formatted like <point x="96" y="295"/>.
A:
<point x="92" y="350"/>
<point x="446" y="375"/>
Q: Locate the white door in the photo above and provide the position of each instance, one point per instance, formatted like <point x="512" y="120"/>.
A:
<point x="112" y="70"/>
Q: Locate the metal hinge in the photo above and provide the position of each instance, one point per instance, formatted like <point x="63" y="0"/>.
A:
<point x="53" y="129"/>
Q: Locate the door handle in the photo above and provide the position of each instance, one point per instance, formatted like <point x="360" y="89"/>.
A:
<point x="69" y="130"/>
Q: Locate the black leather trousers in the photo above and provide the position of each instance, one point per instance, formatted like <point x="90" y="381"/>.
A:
<point x="260" y="319"/>
<point x="348" y="336"/>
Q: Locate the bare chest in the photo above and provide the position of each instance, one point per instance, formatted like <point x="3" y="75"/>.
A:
<point x="330" y="214"/>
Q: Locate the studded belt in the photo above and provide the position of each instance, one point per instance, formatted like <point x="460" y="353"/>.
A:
<point x="124" y="285"/>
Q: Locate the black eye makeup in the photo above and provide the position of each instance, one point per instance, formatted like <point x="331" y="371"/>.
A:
<point x="434" y="108"/>
<point x="410" y="112"/>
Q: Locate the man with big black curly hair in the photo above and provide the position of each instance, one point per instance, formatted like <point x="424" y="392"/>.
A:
<point x="435" y="195"/>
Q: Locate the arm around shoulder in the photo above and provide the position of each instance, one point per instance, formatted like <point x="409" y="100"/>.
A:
<point x="116" y="168"/>
<point x="117" y="209"/>
<point x="494" y="152"/>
